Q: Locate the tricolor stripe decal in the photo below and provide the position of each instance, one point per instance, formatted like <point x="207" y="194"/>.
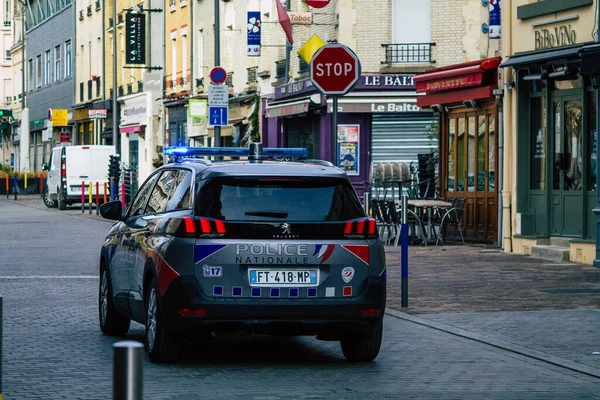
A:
<point x="203" y="251"/>
<point x="323" y="251"/>
<point x="362" y="252"/>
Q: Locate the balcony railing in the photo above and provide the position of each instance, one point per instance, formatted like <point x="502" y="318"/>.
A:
<point x="120" y="18"/>
<point x="408" y="53"/>
<point x="7" y="20"/>
<point x="252" y="75"/>
<point x="89" y="10"/>
<point x="97" y="5"/>
<point x="229" y="80"/>
<point x="81" y="15"/>
<point x="304" y="67"/>
<point x="129" y="88"/>
<point x="110" y="23"/>
<point x="280" y="69"/>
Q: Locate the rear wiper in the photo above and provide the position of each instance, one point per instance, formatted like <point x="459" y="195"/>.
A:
<point x="270" y="214"/>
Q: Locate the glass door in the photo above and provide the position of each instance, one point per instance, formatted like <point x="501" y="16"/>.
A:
<point x="567" y="172"/>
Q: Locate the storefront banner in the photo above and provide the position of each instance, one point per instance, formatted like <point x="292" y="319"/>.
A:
<point x="253" y="28"/>
<point x="455" y="82"/>
<point x="380" y="82"/>
<point x="495" y="13"/>
<point x="134" y="111"/>
<point x="198" y="108"/>
<point x="348" y="148"/>
<point x="288" y="109"/>
<point x="97" y="113"/>
<point x="389" y="106"/>
<point x="60" y="117"/>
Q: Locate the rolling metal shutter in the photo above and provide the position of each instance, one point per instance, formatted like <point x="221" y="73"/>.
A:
<point x="400" y="137"/>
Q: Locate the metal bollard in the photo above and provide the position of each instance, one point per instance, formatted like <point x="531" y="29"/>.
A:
<point x="366" y="197"/>
<point x="404" y="251"/>
<point x="90" y="197"/>
<point x="25" y="184"/>
<point x="82" y="196"/>
<point x="97" y="201"/>
<point x="127" y="370"/>
<point x="1" y="317"/>
<point x="15" y="188"/>
<point x="7" y="191"/>
<point x="123" y="195"/>
<point x="113" y="189"/>
<point x="41" y="183"/>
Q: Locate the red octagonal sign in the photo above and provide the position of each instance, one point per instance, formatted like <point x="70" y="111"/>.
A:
<point x="334" y="69"/>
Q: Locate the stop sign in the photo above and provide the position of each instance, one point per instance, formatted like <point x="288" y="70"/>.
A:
<point x="334" y="69"/>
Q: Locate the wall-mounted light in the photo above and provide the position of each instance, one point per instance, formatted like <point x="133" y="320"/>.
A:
<point x="436" y="108"/>
<point x="470" y="104"/>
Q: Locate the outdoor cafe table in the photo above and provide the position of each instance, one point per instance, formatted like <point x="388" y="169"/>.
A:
<point x="429" y="204"/>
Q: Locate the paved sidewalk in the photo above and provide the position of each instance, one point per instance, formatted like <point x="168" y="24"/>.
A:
<point x="459" y="279"/>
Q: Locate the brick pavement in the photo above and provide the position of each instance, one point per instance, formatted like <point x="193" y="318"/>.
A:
<point x="459" y="279"/>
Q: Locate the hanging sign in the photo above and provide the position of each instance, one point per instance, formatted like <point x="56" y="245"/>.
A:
<point x="253" y="28"/>
<point x="198" y="108"/>
<point x="135" y="38"/>
<point x="494" y="32"/>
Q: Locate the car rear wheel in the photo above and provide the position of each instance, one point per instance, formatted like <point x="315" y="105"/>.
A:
<point x="160" y="344"/>
<point x="62" y="204"/>
<point x="363" y="347"/>
<point x="111" y="322"/>
<point x="47" y="200"/>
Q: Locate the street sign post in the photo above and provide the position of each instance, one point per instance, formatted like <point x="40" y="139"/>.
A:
<point x="218" y="75"/>
<point x="334" y="70"/>
<point x="218" y="95"/>
<point x="218" y="116"/>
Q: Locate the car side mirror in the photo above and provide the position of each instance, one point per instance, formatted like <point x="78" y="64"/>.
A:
<point x="112" y="210"/>
<point x="44" y="167"/>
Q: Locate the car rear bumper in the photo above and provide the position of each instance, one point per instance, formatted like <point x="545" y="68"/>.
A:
<point x="328" y="317"/>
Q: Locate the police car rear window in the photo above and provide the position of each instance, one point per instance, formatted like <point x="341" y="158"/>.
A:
<point x="285" y="199"/>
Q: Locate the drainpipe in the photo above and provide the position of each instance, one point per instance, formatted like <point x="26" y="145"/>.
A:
<point x="597" y="208"/>
<point x="500" y="167"/>
<point x="505" y="197"/>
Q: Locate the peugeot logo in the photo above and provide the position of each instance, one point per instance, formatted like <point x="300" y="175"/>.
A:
<point x="285" y="229"/>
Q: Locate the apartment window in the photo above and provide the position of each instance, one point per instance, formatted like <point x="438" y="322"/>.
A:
<point x="7" y="14"/>
<point x="411" y="27"/>
<point x="38" y="71"/>
<point x="184" y="65"/>
<point x="68" y="58"/>
<point x="47" y="64"/>
<point x="30" y="75"/>
<point x="8" y="91"/>
<point x="173" y="63"/>
<point x="57" y="63"/>
<point x="7" y="46"/>
<point x="200" y="55"/>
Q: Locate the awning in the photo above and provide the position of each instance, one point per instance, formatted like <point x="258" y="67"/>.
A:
<point x="291" y="107"/>
<point x="523" y="60"/>
<point x="130" y="129"/>
<point x="456" y="96"/>
<point x="456" y="77"/>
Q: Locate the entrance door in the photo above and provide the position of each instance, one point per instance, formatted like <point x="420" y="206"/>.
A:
<point x="469" y="168"/>
<point x="567" y="172"/>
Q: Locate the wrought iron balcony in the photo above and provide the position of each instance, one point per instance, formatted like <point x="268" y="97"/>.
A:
<point x="408" y="53"/>
<point x="229" y="80"/>
<point x="279" y="69"/>
<point x="140" y="86"/>
<point x="252" y="75"/>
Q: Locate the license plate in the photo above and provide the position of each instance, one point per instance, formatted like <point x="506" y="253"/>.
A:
<point x="284" y="277"/>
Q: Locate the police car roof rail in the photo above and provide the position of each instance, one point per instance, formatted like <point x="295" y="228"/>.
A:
<point x="196" y="160"/>
<point x="255" y="152"/>
<point x="319" y="162"/>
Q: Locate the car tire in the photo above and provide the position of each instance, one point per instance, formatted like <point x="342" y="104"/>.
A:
<point x="111" y="322"/>
<point x="47" y="200"/>
<point x="62" y="204"/>
<point x="160" y="344"/>
<point x="363" y="347"/>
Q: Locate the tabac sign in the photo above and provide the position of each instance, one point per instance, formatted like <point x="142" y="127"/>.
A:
<point x="135" y="38"/>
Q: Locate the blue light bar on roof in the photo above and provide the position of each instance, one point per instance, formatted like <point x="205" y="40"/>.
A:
<point x="234" y="151"/>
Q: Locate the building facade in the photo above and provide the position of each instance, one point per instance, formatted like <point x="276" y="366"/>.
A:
<point x="49" y="53"/>
<point x="88" y="111"/>
<point x="550" y="118"/>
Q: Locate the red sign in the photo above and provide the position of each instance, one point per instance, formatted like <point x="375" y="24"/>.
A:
<point x="334" y="69"/>
<point x="455" y="82"/>
<point x="65" y="136"/>
<point x="317" y="3"/>
<point x="218" y="75"/>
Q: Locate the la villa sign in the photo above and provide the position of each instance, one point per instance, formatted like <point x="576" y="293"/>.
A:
<point x="562" y="35"/>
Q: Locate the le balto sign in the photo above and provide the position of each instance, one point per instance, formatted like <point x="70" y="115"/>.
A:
<point x="558" y="36"/>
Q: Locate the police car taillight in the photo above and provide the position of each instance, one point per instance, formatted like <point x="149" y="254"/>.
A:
<point x="196" y="227"/>
<point x="360" y="228"/>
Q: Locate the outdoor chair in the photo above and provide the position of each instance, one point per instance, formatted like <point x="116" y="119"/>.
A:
<point x="452" y="220"/>
<point x="413" y="221"/>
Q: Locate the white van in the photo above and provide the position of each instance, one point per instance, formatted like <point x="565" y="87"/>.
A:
<point x="69" y="166"/>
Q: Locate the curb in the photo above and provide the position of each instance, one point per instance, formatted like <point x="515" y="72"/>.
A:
<point x="514" y="348"/>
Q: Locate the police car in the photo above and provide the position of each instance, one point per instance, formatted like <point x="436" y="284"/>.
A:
<point x="257" y="245"/>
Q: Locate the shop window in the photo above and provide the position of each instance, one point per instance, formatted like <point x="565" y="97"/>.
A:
<point x="538" y="143"/>
<point x="592" y="148"/>
<point x="568" y="84"/>
<point x="460" y="156"/>
<point x="451" y="149"/>
<point x="481" y="152"/>
<point x="492" y="152"/>
<point x="471" y="154"/>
